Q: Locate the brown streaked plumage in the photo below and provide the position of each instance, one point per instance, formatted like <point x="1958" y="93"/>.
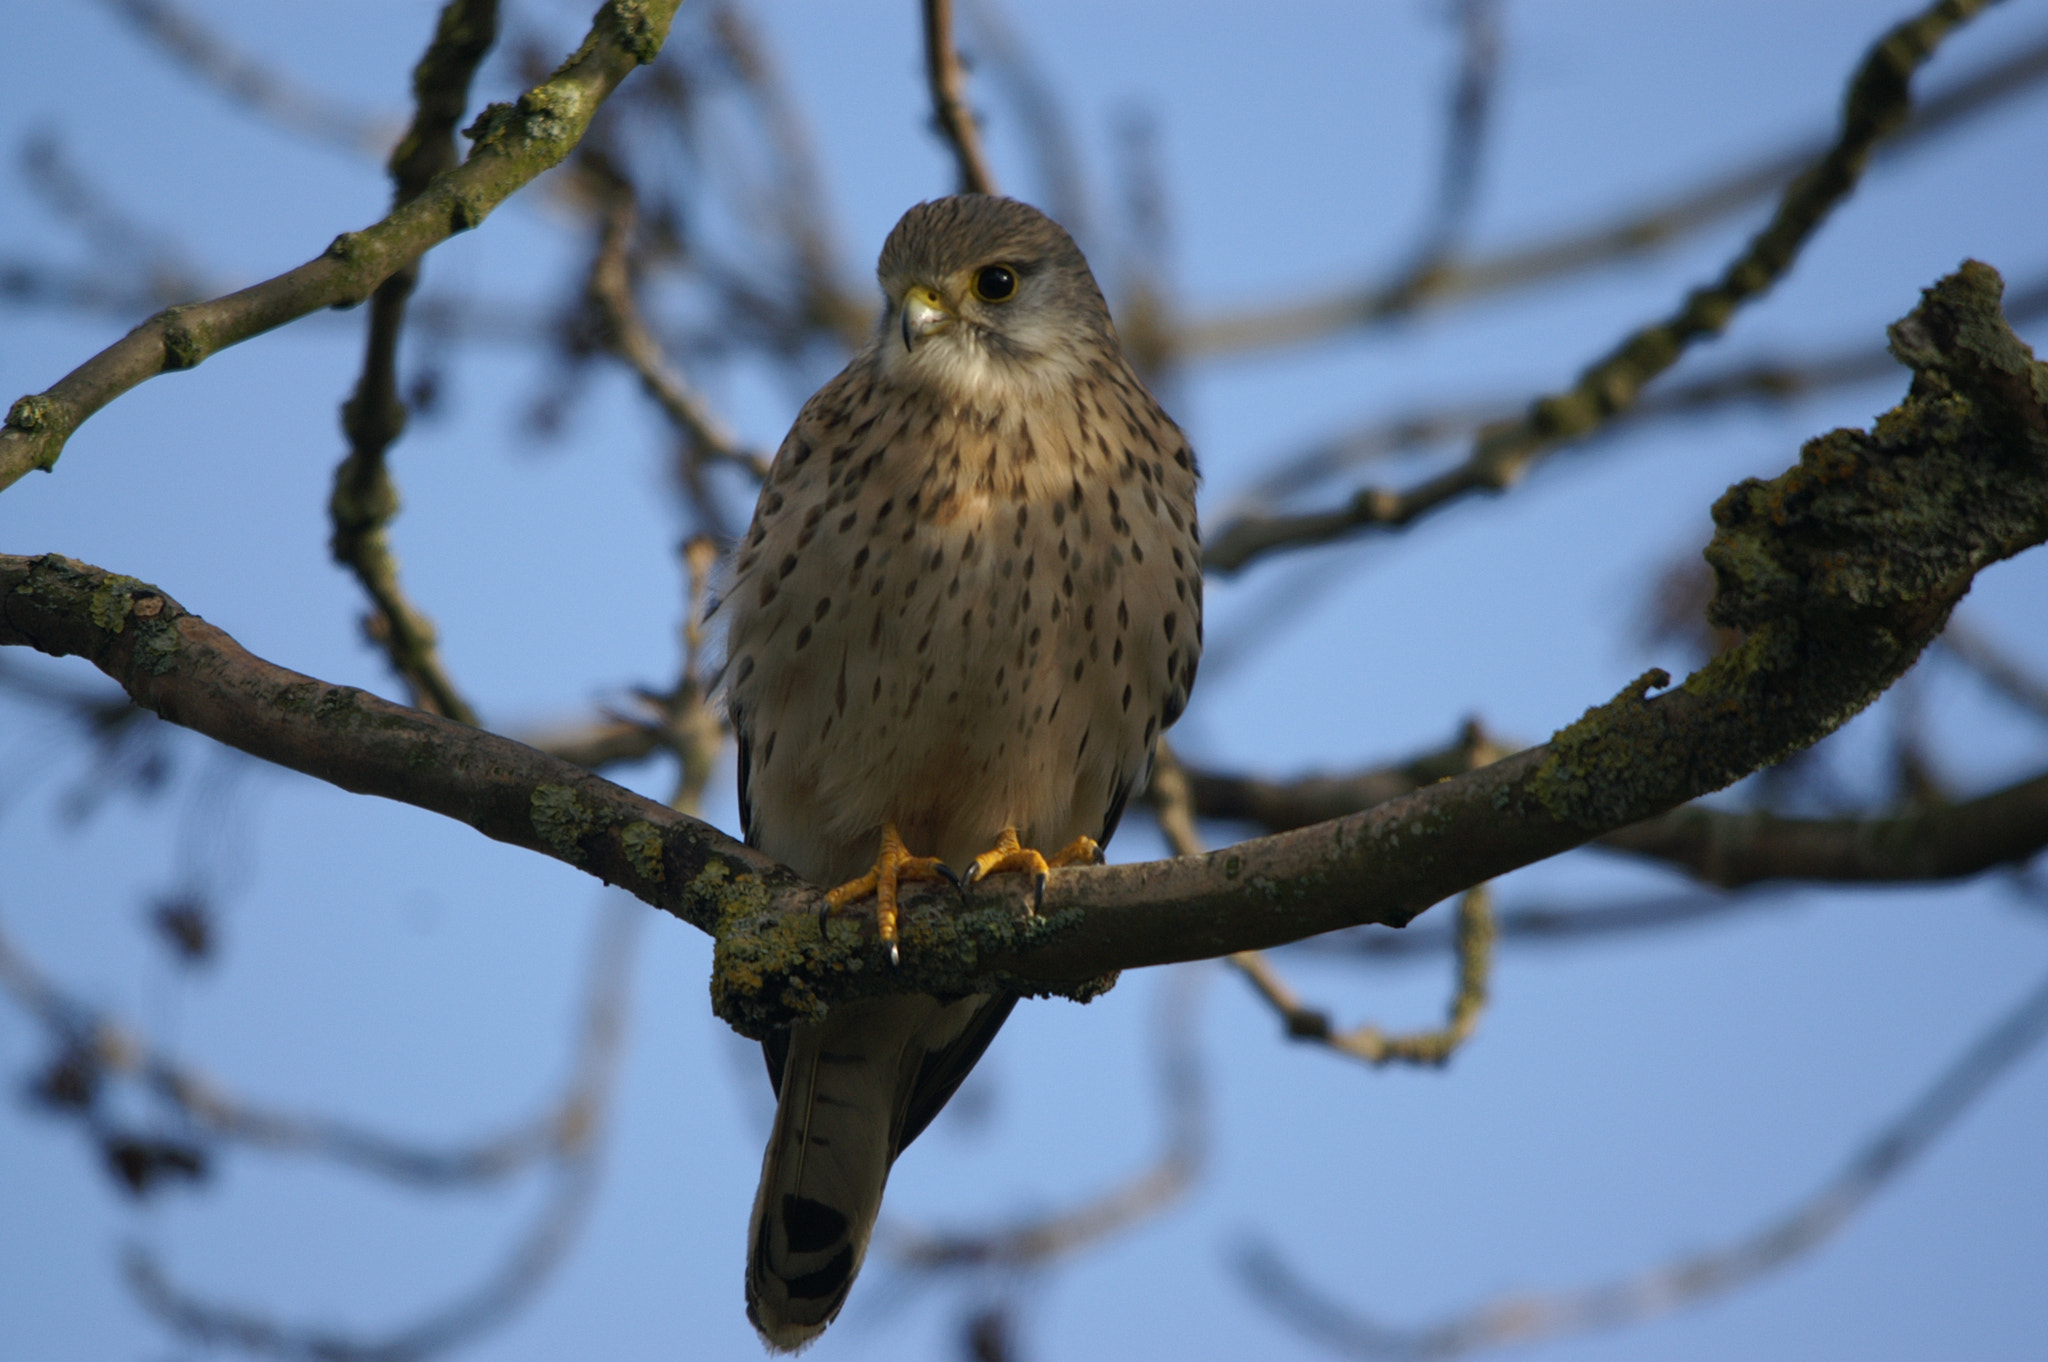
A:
<point x="970" y="601"/>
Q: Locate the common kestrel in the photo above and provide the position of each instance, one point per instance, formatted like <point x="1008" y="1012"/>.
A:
<point x="970" y="600"/>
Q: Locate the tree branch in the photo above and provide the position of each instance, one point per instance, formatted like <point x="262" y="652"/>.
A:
<point x="1877" y="103"/>
<point x="1761" y="380"/>
<point x="1683" y="1281"/>
<point x="365" y="500"/>
<point x="1838" y="573"/>
<point x="512" y="144"/>
<point x="246" y="81"/>
<point x="1646" y="229"/>
<point x="949" y="99"/>
<point x="1729" y="848"/>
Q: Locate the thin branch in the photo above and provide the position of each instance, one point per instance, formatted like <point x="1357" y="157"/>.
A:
<point x="1684" y="1281"/>
<point x="1997" y="668"/>
<point x="575" y="1166"/>
<point x="803" y="217"/>
<point x="1835" y="590"/>
<point x="1728" y="848"/>
<point x="1007" y="62"/>
<point x="1580" y="250"/>
<point x="163" y="269"/>
<point x="1541" y="924"/>
<point x="96" y="1045"/>
<point x="1878" y="102"/>
<point x="365" y="499"/>
<point x="1732" y="849"/>
<point x="1762" y="381"/>
<point x="948" y="84"/>
<point x="1478" y="23"/>
<point x="632" y="340"/>
<point x="1474" y="936"/>
<point x="246" y="81"/>
<point x="1184" y="1104"/>
<point x="1283" y="805"/>
<point x="511" y="145"/>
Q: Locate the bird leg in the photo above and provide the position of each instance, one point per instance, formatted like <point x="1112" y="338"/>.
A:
<point x="1009" y="854"/>
<point x="893" y="864"/>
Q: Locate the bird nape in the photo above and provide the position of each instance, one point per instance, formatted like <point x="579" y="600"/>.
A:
<point x="969" y="603"/>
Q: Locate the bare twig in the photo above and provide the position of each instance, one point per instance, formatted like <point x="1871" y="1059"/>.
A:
<point x="1684" y="1281"/>
<point x="1006" y="61"/>
<point x="803" y="216"/>
<point x="1478" y="24"/>
<point x="1573" y="252"/>
<point x="632" y="340"/>
<point x="1474" y="936"/>
<point x="950" y="113"/>
<point x="1877" y="103"/>
<point x="162" y="269"/>
<point x="1145" y="311"/>
<point x="1541" y="924"/>
<point x="1996" y="668"/>
<point x="513" y="144"/>
<point x="1173" y="801"/>
<point x="1183" y="1103"/>
<point x="97" y="1046"/>
<point x="577" y="1143"/>
<point x="246" y="81"/>
<point x="1281" y="805"/>
<point x="365" y="499"/>
<point x="1762" y="381"/>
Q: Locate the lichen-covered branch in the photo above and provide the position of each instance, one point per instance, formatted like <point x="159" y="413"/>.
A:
<point x="1838" y="573"/>
<point x="1877" y="104"/>
<point x="191" y="673"/>
<point x="512" y="143"/>
<point x="365" y="499"/>
<point x="1729" y="848"/>
<point x="1760" y="381"/>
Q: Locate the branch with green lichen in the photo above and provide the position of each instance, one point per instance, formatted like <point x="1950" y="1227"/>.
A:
<point x="1838" y="573"/>
<point x="511" y="145"/>
<point x="1727" y="848"/>
<point x="1878" y="103"/>
<point x="365" y="499"/>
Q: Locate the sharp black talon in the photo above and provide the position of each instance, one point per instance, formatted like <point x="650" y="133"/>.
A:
<point x="1038" y="904"/>
<point x="895" y="956"/>
<point x="973" y="875"/>
<point x="953" y="879"/>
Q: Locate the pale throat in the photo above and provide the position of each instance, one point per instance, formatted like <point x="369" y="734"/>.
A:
<point x="995" y="389"/>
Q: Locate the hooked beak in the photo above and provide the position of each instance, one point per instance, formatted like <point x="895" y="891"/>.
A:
<point x="923" y="313"/>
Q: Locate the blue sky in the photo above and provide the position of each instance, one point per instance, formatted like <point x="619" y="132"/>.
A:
<point x="1623" y="1101"/>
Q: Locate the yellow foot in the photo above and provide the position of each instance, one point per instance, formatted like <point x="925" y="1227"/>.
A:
<point x="1009" y="854"/>
<point x="893" y="865"/>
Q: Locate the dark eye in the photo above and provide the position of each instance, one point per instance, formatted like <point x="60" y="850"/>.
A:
<point x="995" y="283"/>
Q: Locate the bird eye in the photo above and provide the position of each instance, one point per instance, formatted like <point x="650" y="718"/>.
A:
<point x="995" y="283"/>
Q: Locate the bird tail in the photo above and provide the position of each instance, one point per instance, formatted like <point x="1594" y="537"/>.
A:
<point x="822" y="1177"/>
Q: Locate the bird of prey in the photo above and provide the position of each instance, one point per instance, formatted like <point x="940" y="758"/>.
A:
<point x="969" y="602"/>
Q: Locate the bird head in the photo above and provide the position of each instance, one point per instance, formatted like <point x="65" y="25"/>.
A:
<point x="987" y="298"/>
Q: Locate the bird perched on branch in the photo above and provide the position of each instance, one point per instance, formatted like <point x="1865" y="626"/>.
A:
<point x="969" y="602"/>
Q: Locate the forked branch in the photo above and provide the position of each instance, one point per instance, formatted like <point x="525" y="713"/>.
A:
<point x="1837" y="573"/>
